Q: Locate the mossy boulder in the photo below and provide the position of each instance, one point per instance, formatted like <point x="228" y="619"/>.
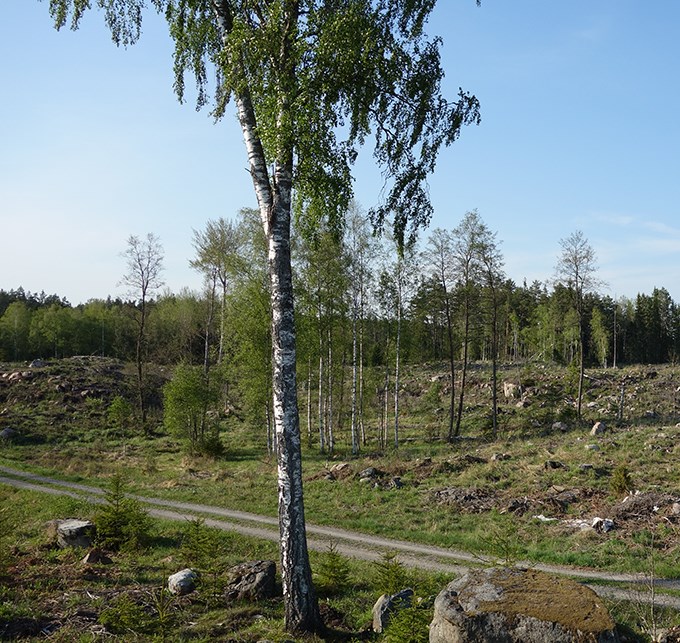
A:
<point x="501" y="605"/>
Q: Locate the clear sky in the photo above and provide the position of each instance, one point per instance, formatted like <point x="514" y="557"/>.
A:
<point x="579" y="130"/>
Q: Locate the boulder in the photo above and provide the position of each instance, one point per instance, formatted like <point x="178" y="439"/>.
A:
<point x="500" y="605"/>
<point x="8" y="434"/>
<point x="74" y="533"/>
<point x="254" y="581"/>
<point x="387" y="605"/>
<point x="182" y="582"/>
<point x="370" y="474"/>
<point x="560" y="426"/>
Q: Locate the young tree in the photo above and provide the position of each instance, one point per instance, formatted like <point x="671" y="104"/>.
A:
<point x="467" y="271"/>
<point x="144" y="259"/>
<point x="575" y="270"/>
<point x="491" y="269"/>
<point x="439" y="256"/>
<point x="360" y="247"/>
<point x="187" y="398"/>
<point x="304" y="112"/>
<point x="217" y="258"/>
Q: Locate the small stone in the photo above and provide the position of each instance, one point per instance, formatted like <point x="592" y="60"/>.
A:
<point x="592" y="447"/>
<point x="96" y="557"/>
<point x="254" y="581"/>
<point x="182" y="582"/>
<point x="598" y="428"/>
<point x="369" y="473"/>
<point x="499" y="457"/>
<point x="7" y="434"/>
<point x="603" y="525"/>
<point x="387" y="605"/>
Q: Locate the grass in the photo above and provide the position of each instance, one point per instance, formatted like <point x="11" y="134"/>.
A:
<point x="72" y="436"/>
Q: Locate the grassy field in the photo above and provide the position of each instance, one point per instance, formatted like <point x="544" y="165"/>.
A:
<point x="481" y="493"/>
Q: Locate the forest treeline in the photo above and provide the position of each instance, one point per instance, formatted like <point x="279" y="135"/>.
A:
<point x="362" y="302"/>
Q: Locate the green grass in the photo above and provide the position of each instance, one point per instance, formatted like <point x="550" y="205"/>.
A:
<point x="74" y="439"/>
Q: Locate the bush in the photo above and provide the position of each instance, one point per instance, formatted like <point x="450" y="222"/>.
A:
<point x="333" y="571"/>
<point x="203" y="548"/>
<point x="124" y="616"/>
<point x="121" y="523"/>
<point x="409" y="625"/>
<point x="620" y="482"/>
<point x="391" y="574"/>
<point x="187" y="399"/>
<point x="119" y="413"/>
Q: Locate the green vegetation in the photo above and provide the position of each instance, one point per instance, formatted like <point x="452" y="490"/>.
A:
<point x="476" y="494"/>
<point x="121" y="522"/>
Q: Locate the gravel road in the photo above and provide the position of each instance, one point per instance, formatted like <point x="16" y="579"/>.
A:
<point x="349" y="543"/>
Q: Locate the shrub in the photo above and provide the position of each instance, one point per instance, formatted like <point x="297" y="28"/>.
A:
<point x="187" y="399"/>
<point x="121" y="522"/>
<point x="124" y="616"/>
<point x="409" y="625"/>
<point x="333" y="571"/>
<point x="391" y="574"/>
<point x="119" y="413"/>
<point x="620" y="483"/>
<point x="202" y="548"/>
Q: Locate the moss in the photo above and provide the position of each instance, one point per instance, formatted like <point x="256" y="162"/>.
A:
<point x="545" y="597"/>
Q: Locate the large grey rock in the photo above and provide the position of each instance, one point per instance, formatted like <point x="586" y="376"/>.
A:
<point x="182" y="582"/>
<point x="501" y="605"/>
<point x="387" y="605"/>
<point x="254" y="581"/>
<point x="74" y="533"/>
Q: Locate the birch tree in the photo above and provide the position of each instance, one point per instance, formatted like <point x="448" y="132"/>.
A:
<point x="467" y="270"/>
<point x="360" y="247"/>
<point x="217" y="258"/>
<point x="575" y="270"/>
<point x="439" y="256"/>
<point x="144" y="260"/>
<point x="310" y="81"/>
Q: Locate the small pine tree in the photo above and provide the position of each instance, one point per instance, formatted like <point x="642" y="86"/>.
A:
<point x="121" y="522"/>
<point x="392" y="576"/>
<point x="333" y="571"/>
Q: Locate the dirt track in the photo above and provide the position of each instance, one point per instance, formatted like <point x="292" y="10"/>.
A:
<point x="349" y="543"/>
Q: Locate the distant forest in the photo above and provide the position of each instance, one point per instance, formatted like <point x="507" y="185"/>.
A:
<point x="347" y="286"/>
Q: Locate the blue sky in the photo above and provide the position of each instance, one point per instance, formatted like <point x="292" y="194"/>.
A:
<point x="579" y="104"/>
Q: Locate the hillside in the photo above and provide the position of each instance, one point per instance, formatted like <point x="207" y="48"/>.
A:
<point x="544" y="490"/>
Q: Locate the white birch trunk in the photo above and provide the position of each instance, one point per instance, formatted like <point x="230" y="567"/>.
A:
<point x="396" y="376"/>
<point x="329" y="417"/>
<point x="322" y="434"/>
<point x="353" y="429"/>
<point x="301" y="606"/>
<point x="274" y="201"/>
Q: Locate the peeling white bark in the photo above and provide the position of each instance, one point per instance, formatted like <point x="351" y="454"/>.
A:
<point x="274" y="201"/>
